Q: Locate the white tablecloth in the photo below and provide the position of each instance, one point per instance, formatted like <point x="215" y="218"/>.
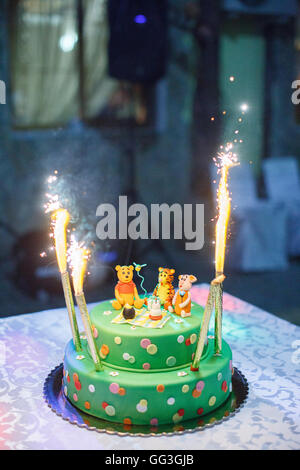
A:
<point x="265" y="348"/>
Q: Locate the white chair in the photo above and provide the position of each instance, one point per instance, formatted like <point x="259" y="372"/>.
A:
<point x="282" y="183"/>
<point x="257" y="230"/>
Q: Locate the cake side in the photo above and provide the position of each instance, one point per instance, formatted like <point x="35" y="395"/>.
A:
<point x="131" y="347"/>
<point x="132" y="397"/>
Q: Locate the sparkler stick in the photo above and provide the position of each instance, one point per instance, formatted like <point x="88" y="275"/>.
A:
<point x="60" y="220"/>
<point x="215" y="297"/>
<point x="78" y="257"/>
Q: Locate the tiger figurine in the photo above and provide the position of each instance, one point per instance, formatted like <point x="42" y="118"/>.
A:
<point x="164" y="289"/>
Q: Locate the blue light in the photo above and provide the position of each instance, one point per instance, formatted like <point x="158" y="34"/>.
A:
<point x="140" y="19"/>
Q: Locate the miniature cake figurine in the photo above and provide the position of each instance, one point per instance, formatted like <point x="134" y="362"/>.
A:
<point x="154" y="308"/>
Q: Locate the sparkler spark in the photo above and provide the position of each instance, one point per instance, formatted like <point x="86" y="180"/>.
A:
<point x="227" y="159"/>
<point x="60" y="220"/>
<point x="77" y="257"/>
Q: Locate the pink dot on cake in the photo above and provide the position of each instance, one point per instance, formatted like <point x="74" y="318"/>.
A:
<point x="200" y="386"/>
<point x="114" y="387"/>
<point x="146" y="366"/>
<point x="145" y="342"/>
<point x="154" y="422"/>
<point x="75" y="397"/>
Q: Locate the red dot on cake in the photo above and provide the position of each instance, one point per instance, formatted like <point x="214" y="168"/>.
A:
<point x="154" y="422"/>
<point x="188" y="341"/>
<point x="200" y="411"/>
<point x="104" y="404"/>
<point x="224" y="386"/>
<point x="181" y="412"/>
<point x="78" y="385"/>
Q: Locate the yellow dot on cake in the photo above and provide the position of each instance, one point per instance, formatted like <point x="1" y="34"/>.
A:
<point x="118" y="340"/>
<point x="185" y="388"/>
<point x="110" y="410"/>
<point x="193" y="338"/>
<point x="152" y="349"/>
<point x="212" y="401"/>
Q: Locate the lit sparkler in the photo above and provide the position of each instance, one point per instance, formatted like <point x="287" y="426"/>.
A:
<point x="60" y="219"/>
<point x="78" y="256"/>
<point x="227" y="159"/>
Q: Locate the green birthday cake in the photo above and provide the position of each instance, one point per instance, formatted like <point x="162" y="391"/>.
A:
<point x="146" y="350"/>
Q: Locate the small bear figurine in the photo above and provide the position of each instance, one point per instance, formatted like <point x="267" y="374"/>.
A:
<point x="182" y="299"/>
<point x="164" y="289"/>
<point x="126" y="291"/>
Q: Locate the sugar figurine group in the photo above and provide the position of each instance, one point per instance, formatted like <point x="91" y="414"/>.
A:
<point x="164" y="295"/>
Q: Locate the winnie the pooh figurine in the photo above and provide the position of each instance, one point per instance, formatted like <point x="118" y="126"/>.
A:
<point x="126" y="291"/>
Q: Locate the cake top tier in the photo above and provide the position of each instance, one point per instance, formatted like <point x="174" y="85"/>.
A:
<point x="143" y="344"/>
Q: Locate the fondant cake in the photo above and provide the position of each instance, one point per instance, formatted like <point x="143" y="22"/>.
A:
<point x="147" y="377"/>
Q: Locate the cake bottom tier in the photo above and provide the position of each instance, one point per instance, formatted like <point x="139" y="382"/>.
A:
<point x="153" y="398"/>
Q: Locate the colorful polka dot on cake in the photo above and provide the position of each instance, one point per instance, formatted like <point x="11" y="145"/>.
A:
<point x="118" y="340"/>
<point x="87" y="405"/>
<point x="110" y="410"/>
<point x="196" y="393"/>
<point x="91" y="388"/>
<point x="200" y="385"/>
<point x="171" y="361"/>
<point x="224" y="386"/>
<point x="104" y="351"/>
<point x="185" y="388"/>
<point x="193" y="338"/>
<point x="95" y="331"/>
<point x="154" y="422"/>
<point x="152" y="349"/>
<point x="145" y="342"/>
<point x="212" y="401"/>
<point x="171" y="401"/>
<point x="114" y="387"/>
<point x="180" y="339"/>
<point x="142" y="406"/>
<point x="75" y="397"/>
<point x="160" y="388"/>
<point x="122" y="391"/>
<point x="146" y="366"/>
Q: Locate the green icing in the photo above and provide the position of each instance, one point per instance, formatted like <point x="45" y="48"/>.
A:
<point x="167" y="346"/>
<point x="169" y="396"/>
